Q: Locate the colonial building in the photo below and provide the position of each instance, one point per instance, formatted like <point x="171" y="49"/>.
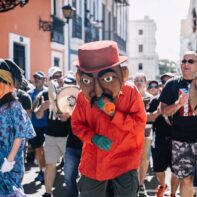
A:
<point x="36" y="35"/>
<point x="142" y="47"/>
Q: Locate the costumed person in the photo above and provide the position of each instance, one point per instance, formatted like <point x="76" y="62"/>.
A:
<point x="109" y="118"/>
<point x="21" y="94"/>
<point x="15" y="127"/>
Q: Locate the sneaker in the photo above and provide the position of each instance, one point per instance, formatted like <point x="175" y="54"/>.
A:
<point x="62" y="163"/>
<point x="161" y="190"/>
<point x="142" y="191"/>
<point x="46" y="195"/>
<point x="172" y="195"/>
<point x="40" y="177"/>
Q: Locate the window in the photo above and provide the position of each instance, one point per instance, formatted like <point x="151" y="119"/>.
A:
<point x="140" y="48"/>
<point x="19" y="55"/>
<point x="140" y="32"/>
<point x="56" y="61"/>
<point x="194" y="20"/>
<point x="140" y="66"/>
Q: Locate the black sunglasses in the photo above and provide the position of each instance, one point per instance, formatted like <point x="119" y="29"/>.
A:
<point x="56" y="76"/>
<point x="190" y="61"/>
<point x="153" y="86"/>
<point x="36" y="77"/>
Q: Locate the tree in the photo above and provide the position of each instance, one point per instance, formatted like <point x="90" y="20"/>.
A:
<point x="166" y="65"/>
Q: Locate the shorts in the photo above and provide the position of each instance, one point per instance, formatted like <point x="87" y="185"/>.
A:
<point x="162" y="154"/>
<point x="184" y="158"/>
<point x="38" y="141"/>
<point x="54" y="148"/>
<point x="125" y="185"/>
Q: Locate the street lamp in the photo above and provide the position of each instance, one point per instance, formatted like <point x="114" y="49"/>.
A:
<point x="68" y="12"/>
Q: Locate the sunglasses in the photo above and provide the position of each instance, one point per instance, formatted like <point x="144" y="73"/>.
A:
<point x="153" y="86"/>
<point x="36" y="77"/>
<point x="139" y="80"/>
<point x="56" y="76"/>
<point x="190" y="61"/>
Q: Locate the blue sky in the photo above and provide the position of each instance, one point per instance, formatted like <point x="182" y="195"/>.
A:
<point x="167" y="15"/>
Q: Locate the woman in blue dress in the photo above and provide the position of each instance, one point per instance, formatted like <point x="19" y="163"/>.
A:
<point x="15" y="128"/>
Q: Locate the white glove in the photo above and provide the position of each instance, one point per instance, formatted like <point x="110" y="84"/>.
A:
<point x="19" y="192"/>
<point x="7" y="165"/>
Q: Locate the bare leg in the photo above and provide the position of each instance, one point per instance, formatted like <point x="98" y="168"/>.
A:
<point x="50" y="173"/>
<point x="40" y="157"/>
<point x="161" y="178"/>
<point x="174" y="183"/>
<point x="144" y="161"/>
<point x="186" y="187"/>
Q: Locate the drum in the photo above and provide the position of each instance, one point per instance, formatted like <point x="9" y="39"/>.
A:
<point x="52" y="87"/>
<point x="193" y="94"/>
<point x="66" y="98"/>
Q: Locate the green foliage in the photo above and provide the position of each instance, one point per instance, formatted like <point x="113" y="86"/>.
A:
<point x="166" y="65"/>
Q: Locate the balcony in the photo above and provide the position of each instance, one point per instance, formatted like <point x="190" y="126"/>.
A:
<point x="57" y="33"/>
<point x="124" y="2"/>
<point x="91" y="31"/>
<point x="121" y="42"/>
<point x="77" y="27"/>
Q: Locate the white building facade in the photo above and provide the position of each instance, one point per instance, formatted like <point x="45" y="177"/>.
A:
<point x="188" y="38"/>
<point x="142" y="48"/>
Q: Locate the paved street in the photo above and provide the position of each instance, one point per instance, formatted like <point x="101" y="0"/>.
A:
<point x="36" y="189"/>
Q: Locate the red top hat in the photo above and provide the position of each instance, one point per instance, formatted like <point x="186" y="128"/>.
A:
<point x="98" y="55"/>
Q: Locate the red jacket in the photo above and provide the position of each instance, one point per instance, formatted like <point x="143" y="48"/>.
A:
<point x="125" y="129"/>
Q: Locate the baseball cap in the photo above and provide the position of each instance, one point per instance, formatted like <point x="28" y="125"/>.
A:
<point x="40" y="74"/>
<point x="167" y="74"/>
<point x="150" y="83"/>
<point x="69" y="79"/>
<point x="53" y="70"/>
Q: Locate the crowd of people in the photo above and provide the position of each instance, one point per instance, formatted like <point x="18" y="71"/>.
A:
<point x="117" y="125"/>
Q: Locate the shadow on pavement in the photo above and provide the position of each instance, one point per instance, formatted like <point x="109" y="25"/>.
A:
<point x="35" y="188"/>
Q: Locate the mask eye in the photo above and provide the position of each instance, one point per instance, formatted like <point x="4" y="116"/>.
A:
<point x="108" y="79"/>
<point x="86" y="81"/>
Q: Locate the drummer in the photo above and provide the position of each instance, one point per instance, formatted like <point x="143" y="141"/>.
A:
<point x="56" y="133"/>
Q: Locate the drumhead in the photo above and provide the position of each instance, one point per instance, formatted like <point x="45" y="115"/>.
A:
<point x="52" y="90"/>
<point x="66" y="98"/>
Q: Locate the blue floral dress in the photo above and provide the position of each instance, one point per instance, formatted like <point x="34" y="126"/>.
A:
<point x="14" y="123"/>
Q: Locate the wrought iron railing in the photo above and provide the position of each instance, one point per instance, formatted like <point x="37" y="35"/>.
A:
<point x="57" y="33"/>
<point x="77" y="27"/>
<point x="121" y="42"/>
